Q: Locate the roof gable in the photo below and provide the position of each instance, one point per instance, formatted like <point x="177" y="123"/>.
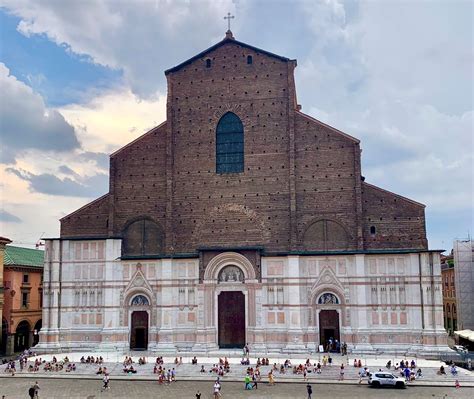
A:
<point x="18" y="256"/>
<point x="227" y="40"/>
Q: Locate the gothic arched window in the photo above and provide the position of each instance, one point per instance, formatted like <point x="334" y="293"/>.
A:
<point x="230" y="144"/>
<point x="142" y="237"/>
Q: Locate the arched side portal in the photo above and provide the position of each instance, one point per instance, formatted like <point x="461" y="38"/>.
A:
<point x="139" y="313"/>
<point x="22" y="336"/>
<point x="139" y="330"/>
<point x="328" y="307"/>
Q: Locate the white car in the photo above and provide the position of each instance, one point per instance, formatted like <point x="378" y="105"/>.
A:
<point x="460" y="349"/>
<point x="380" y="379"/>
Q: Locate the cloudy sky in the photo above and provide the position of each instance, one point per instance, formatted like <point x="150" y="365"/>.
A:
<point x="79" y="79"/>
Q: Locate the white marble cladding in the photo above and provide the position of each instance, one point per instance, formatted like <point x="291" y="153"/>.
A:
<point x="88" y="291"/>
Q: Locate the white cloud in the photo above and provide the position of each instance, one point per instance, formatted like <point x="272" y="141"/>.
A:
<point x="113" y="119"/>
<point x="139" y="37"/>
<point x="26" y="122"/>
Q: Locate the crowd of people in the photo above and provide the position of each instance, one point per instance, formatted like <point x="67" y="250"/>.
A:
<point x="252" y="374"/>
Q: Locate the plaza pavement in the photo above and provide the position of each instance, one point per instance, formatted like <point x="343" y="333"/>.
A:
<point x="188" y="372"/>
<point x="53" y="388"/>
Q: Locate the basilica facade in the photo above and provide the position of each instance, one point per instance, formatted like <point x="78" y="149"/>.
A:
<point x="240" y="219"/>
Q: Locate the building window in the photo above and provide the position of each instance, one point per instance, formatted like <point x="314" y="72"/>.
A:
<point x="249" y="59"/>
<point x="24" y="299"/>
<point x="372" y="230"/>
<point x="26" y="278"/>
<point x="142" y="237"/>
<point x="230" y="144"/>
<point x="208" y="63"/>
<point x="454" y="309"/>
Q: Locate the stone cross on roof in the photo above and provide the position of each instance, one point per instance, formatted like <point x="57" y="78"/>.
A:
<point x="229" y="17"/>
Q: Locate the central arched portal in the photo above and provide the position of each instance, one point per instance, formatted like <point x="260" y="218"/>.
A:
<point x="139" y="330"/>
<point x="231" y="318"/>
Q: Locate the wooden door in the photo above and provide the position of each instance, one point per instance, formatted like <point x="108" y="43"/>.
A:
<point x="328" y="326"/>
<point x="231" y="311"/>
<point x="139" y="330"/>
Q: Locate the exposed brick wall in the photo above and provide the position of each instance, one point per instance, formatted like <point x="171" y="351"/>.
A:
<point x="297" y="170"/>
<point x="398" y="221"/>
<point x="89" y="221"/>
<point x="249" y="208"/>
<point x="325" y="177"/>
<point x="138" y="180"/>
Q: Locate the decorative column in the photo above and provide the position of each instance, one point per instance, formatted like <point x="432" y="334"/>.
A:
<point x="114" y="334"/>
<point x="295" y="334"/>
<point x="166" y="332"/>
<point x="206" y="334"/>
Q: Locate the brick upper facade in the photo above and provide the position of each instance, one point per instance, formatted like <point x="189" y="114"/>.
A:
<point x="301" y="188"/>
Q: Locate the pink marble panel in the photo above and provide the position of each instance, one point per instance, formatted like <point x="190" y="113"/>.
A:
<point x="271" y="317"/>
<point x="77" y="250"/>
<point x="342" y="266"/>
<point x="85" y="251"/>
<point x="281" y="317"/>
<point x="101" y="250"/>
<point x="403" y="318"/>
<point x="372" y="266"/>
<point x="384" y="318"/>
<point x="393" y="318"/>
<point x="275" y="268"/>
<point x="375" y="318"/>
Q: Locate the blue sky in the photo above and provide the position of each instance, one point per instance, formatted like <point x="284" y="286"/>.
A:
<point x="83" y="80"/>
<point x="54" y="71"/>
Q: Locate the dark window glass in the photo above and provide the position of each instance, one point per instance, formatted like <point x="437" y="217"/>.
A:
<point x="142" y="237"/>
<point x="249" y="59"/>
<point x="25" y="278"/>
<point x="230" y="144"/>
<point x="208" y="63"/>
<point x="24" y="299"/>
<point x="372" y="229"/>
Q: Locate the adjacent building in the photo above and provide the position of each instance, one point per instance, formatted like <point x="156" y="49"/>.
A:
<point x="241" y="219"/>
<point x="463" y="254"/>
<point x="449" y="293"/>
<point x="23" y="289"/>
<point x="3" y="241"/>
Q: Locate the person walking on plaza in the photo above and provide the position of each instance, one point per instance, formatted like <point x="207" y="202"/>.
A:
<point x="309" y="390"/>
<point x="254" y="381"/>
<point x="271" y="379"/>
<point x="105" y="380"/>
<point x="341" y="373"/>
<point x="247" y="382"/>
<point x="37" y="388"/>
<point x="217" y="389"/>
